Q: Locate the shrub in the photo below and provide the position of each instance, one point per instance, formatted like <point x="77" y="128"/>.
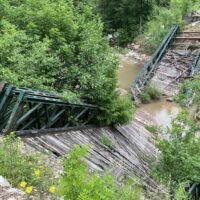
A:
<point x="78" y="184"/>
<point x="122" y="110"/>
<point x="27" y="171"/>
<point x="131" y="190"/>
<point x="153" y="92"/>
<point x="125" y="18"/>
<point x="150" y="93"/>
<point x="152" y="128"/>
<point x="189" y="90"/>
<point x="179" y="154"/>
<point x="145" y="97"/>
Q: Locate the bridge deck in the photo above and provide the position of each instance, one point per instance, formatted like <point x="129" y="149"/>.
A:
<point x="176" y="65"/>
<point x="133" y="147"/>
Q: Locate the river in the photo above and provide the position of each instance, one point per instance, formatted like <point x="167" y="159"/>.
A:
<point x="162" y="110"/>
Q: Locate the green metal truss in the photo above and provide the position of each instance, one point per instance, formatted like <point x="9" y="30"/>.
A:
<point x="148" y="69"/>
<point x="28" y="109"/>
<point x="196" y="64"/>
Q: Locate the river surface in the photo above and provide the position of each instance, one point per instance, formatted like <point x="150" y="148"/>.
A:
<point x="162" y="111"/>
<point x="127" y="72"/>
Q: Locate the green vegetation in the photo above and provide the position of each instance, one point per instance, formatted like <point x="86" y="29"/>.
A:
<point x="150" y="93"/>
<point x="164" y="17"/>
<point x="179" y="154"/>
<point x="153" y="128"/>
<point x="106" y="141"/>
<point x="77" y="184"/>
<point x="31" y="173"/>
<point x="58" y="46"/>
<point x="130" y="191"/>
<point x="152" y="19"/>
<point x="125" y="19"/>
<point x="189" y="90"/>
<point x="26" y="170"/>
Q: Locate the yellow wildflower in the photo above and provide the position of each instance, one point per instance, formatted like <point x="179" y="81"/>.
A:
<point x="37" y="172"/>
<point x="29" y="189"/>
<point x="23" y="184"/>
<point x="52" y="189"/>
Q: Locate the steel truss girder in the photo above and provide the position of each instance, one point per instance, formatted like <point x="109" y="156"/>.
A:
<point x="27" y="109"/>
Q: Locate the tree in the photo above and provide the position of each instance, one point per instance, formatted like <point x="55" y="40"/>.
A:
<point x="126" y="17"/>
<point x="58" y="45"/>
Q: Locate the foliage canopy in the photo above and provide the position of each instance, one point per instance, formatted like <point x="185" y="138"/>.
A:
<point x="126" y="18"/>
<point x="58" y="45"/>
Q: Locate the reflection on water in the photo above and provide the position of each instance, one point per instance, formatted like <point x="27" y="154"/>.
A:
<point x="127" y="72"/>
<point x="162" y="111"/>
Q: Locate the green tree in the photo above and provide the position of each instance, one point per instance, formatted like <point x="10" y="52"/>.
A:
<point x="58" y="45"/>
<point x="126" y="17"/>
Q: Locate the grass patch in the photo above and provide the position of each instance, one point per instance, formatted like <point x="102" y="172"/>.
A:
<point x="107" y="142"/>
<point x="150" y="93"/>
<point x="152" y="128"/>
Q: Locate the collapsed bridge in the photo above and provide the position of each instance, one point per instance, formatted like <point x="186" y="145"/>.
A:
<point x="28" y="109"/>
<point x="49" y="123"/>
<point x="177" y="58"/>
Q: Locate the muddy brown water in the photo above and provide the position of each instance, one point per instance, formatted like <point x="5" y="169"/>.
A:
<point x="162" y="111"/>
<point x="127" y="72"/>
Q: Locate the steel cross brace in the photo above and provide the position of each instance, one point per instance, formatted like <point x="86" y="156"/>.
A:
<point x="27" y="109"/>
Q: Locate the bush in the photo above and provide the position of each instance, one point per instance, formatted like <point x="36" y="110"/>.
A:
<point x="153" y="128"/>
<point x="145" y="97"/>
<point x="77" y="184"/>
<point x="126" y="18"/>
<point x="189" y="90"/>
<point x="153" y="92"/>
<point x="150" y="93"/>
<point x="122" y="110"/>
<point x="131" y="190"/>
<point x="179" y="154"/>
<point x="28" y="171"/>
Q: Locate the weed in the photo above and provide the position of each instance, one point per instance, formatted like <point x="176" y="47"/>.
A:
<point x="152" y="128"/>
<point x="150" y="93"/>
<point x="107" y="142"/>
<point x="27" y="171"/>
